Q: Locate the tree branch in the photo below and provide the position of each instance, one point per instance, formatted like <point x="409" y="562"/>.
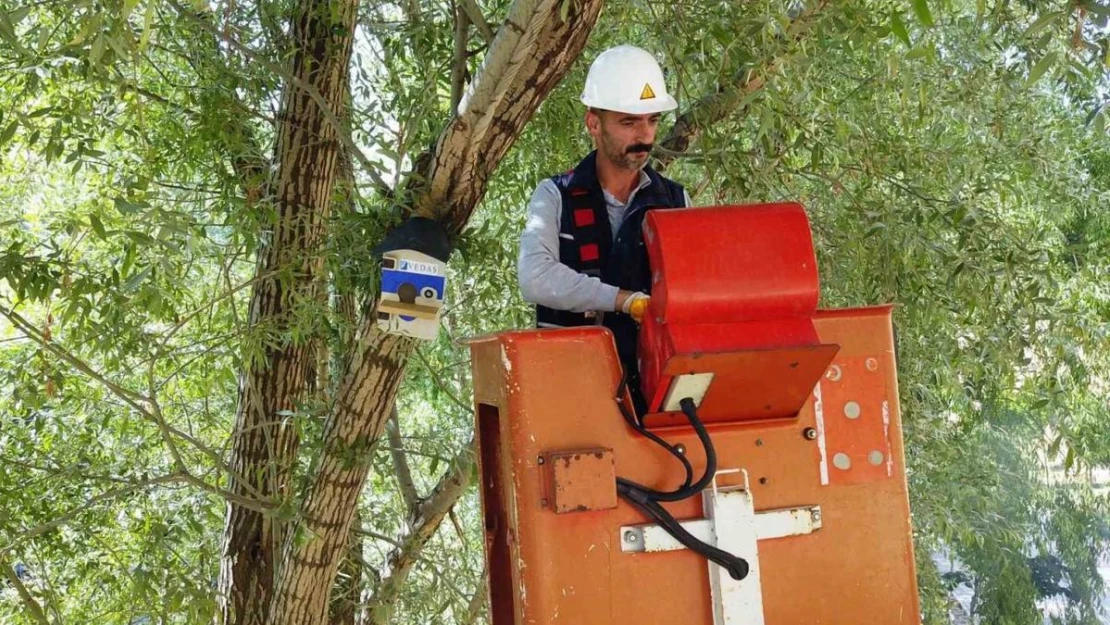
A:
<point x="238" y="141"/>
<point x="145" y="406"/>
<point x="530" y="55"/>
<point x="412" y="11"/>
<point x="342" y="131"/>
<point x="32" y="606"/>
<point x="129" y="397"/>
<point x="401" y="464"/>
<point x="428" y="516"/>
<point x="346" y="597"/>
<point x="728" y="97"/>
<point x="478" y="600"/>
<point x="441" y="384"/>
<point x="275" y="384"/>
<point x="474" y="12"/>
<point x="458" y="66"/>
<point x="114" y="493"/>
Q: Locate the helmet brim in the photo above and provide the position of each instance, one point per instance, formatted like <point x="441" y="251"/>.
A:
<point x="659" y="104"/>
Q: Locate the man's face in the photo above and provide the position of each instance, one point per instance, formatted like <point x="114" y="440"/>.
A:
<point x="624" y="140"/>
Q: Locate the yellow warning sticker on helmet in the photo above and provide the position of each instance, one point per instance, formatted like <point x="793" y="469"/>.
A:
<point x="647" y="93"/>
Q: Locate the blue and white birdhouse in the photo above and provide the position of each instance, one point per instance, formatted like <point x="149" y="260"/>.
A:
<point x="413" y="287"/>
<point x="414" y="278"/>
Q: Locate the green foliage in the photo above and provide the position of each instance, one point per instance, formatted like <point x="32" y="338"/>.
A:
<point x="952" y="156"/>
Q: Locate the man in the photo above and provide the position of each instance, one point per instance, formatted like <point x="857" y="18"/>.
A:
<point x="582" y="255"/>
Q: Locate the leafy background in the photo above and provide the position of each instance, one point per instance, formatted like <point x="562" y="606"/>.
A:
<point x="952" y="155"/>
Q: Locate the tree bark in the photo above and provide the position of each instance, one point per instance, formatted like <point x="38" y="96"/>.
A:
<point x="312" y="554"/>
<point x="532" y="52"/>
<point x="273" y="383"/>
<point x="346" y="599"/>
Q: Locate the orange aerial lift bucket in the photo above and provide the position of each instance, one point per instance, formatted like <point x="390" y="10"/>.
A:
<point x="801" y="405"/>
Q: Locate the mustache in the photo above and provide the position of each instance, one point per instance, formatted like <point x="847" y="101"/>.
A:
<point x="640" y="147"/>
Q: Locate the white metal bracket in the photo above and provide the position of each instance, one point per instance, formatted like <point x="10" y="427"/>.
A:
<point x="732" y="524"/>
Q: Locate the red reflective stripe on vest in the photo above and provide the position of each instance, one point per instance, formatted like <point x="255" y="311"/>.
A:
<point x="583" y="217"/>
<point x="588" y="253"/>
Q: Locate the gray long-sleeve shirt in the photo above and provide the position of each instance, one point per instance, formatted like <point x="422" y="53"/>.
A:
<point x="546" y="281"/>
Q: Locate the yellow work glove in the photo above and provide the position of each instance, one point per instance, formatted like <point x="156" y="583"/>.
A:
<point x="636" y="306"/>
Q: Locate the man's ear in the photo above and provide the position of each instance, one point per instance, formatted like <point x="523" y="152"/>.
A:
<point x="593" y="122"/>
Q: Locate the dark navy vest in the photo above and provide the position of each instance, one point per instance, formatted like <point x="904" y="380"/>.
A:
<point x="587" y="245"/>
<point x="586" y="242"/>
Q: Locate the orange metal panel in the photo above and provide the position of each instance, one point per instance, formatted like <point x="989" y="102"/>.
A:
<point x="583" y="480"/>
<point x="539" y="392"/>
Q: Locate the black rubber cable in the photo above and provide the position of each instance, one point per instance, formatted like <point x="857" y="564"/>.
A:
<point x="687" y="490"/>
<point x="737" y="567"/>
<point x="647" y="499"/>
<point x="639" y="427"/>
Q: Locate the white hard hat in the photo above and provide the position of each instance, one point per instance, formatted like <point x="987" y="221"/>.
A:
<point x="627" y="79"/>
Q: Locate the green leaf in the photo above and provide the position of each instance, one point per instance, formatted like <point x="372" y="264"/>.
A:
<point x="17" y="15"/>
<point x="9" y="132"/>
<point x="1054" y="447"/>
<point x="898" y="27"/>
<point x="148" y="23"/>
<point x="97" y="49"/>
<point x="141" y="238"/>
<point x="1096" y="8"/>
<point x="98" y="227"/>
<point x="1042" y="22"/>
<point x="7" y="30"/>
<point x="1040" y="68"/>
<point x="921" y="8"/>
<point x="918" y="52"/>
<point x="128" y="7"/>
<point x="128" y="208"/>
<point x="1094" y="113"/>
<point x="134" y="281"/>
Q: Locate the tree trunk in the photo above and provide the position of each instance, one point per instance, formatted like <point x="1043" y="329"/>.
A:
<point x="531" y="53"/>
<point x="273" y="382"/>
<point x="312" y="554"/>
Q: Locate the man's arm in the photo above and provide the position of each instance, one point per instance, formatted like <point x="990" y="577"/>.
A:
<point x="543" y="279"/>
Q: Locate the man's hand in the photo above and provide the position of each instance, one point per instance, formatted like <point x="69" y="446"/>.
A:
<point x="639" y="307"/>
<point x="633" y="304"/>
